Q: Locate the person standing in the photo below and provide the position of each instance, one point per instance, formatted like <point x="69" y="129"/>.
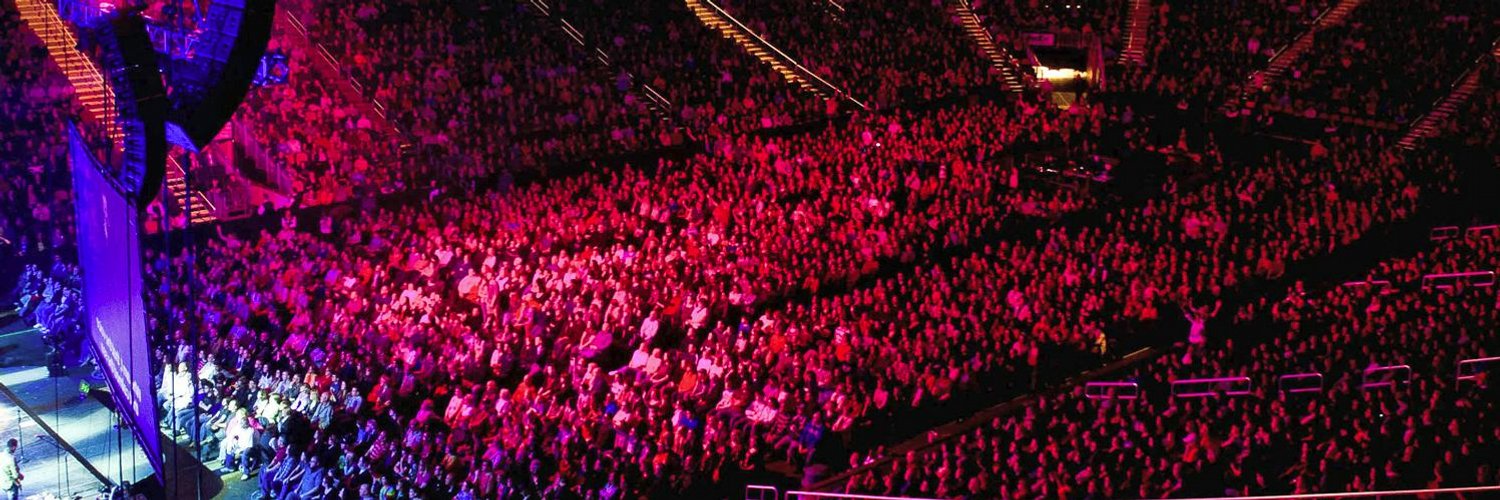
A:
<point x="10" y="474"/>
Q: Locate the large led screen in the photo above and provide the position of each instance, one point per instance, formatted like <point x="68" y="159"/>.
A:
<point x="114" y="311"/>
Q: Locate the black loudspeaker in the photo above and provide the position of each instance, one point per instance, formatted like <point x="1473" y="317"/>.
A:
<point x="234" y="37"/>
<point x="130" y="61"/>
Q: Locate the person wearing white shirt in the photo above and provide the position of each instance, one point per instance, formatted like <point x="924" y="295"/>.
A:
<point x="10" y="474"/>
<point x="699" y="316"/>
<point x="239" y="439"/>
<point x="181" y="397"/>
<point x="649" y="327"/>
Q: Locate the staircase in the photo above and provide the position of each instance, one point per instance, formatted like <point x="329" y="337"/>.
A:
<point x="1136" y="28"/>
<point x="176" y="191"/>
<point x="714" y="17"/>
<point x="88" y="84"/>
<point x="1284" y="58"/>
<point x="654" y="100"/>
<point x="1000" y="59"/>
<point x="1468" y="83"/>
<point x="94" y="94"/>
<point x="328" y="67"/>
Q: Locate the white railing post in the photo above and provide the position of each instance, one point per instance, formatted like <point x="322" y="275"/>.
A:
<point x="761" y="492"/>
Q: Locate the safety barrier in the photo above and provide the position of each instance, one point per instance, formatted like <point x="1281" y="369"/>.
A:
<point x="1381" y="286"/>
<point x="1427" y="493"/>
<point x="1378" y="377"/>
<point x="760" y="492"/>
<point x="1478" y="279"/>
<point x="1300" y="383"/>
<point x="1472" y="369"/>
<point x="1443" y="233"/>
<point x="1455" y="492"/>
<point x="1486" y="231"/>
<point x="799" y="495"/>
<point x="1210" y="387"/>
<point x="1111" y="390"/>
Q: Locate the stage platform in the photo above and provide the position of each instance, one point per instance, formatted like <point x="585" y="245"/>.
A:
<point x="70" y="444"/>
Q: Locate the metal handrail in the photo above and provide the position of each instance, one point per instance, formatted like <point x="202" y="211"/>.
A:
<point x="276" y="173"/>
<point x="172" y="162"/>
<point x="844" y="496"/>
<point x="762" y="492"/>
<point x="1358" y="494"/>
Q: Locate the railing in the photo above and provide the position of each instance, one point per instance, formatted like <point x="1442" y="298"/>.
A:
<point x="1311" y="31"/>
<point x="797" y="495"/>
<point x="1299" y="383"/>
<point x="1072" y="40"/>
<point x="1373" y="377"/>
<point x="760" y="492"/>
<point x="188" y="191"/>
<point x="275" y="173"/>
<point x="1111" y="390"/>
<point x="806" y="72"/>
<point x="1425" y="493"/>
<point x="1377" y="377"/>
<point x="1363" y="494"/>
<point x="1000" y="57"/>
<point x="1487" y="231"/>
<point x="1471" y="369"/>
<point x="1211" y="387"/>
<point x="1479" y="279"/>
<point x="1382" y="285"/>
<point x="1442" y="233"/>
<point x="1139" y="19"/>
<point x="51" y="27"/>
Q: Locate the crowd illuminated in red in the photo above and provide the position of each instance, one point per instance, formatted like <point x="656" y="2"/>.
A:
<point x="808" y="275"/>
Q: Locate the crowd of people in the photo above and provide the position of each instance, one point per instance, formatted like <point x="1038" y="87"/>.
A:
<point x="607" y="304"/>
<point x="1431" y="42"/>
<point x="1009" y="21"/>
<point x="1205" y="52"/>
<point x="630" y="309"/>
<point x="496" y="86"/>
<point x="884" y="54"/>
<point x="590" y="321"/>
<point x="51" y="301"/>
<point x="35" y="102"/>
<point x="1358" y="427"/>
<point x="714" y="87"/>
<point x="312" y="133"/>
<point x="1475" y="123"/>
<point x="673" y="328"/>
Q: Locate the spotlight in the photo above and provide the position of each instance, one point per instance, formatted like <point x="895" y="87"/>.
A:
<point x="273" y="69"/>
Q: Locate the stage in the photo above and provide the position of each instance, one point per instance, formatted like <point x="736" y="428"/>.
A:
<point x="69" y="443"/>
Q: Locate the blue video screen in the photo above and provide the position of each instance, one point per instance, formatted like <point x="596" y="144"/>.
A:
<point x="114" y="310"/>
